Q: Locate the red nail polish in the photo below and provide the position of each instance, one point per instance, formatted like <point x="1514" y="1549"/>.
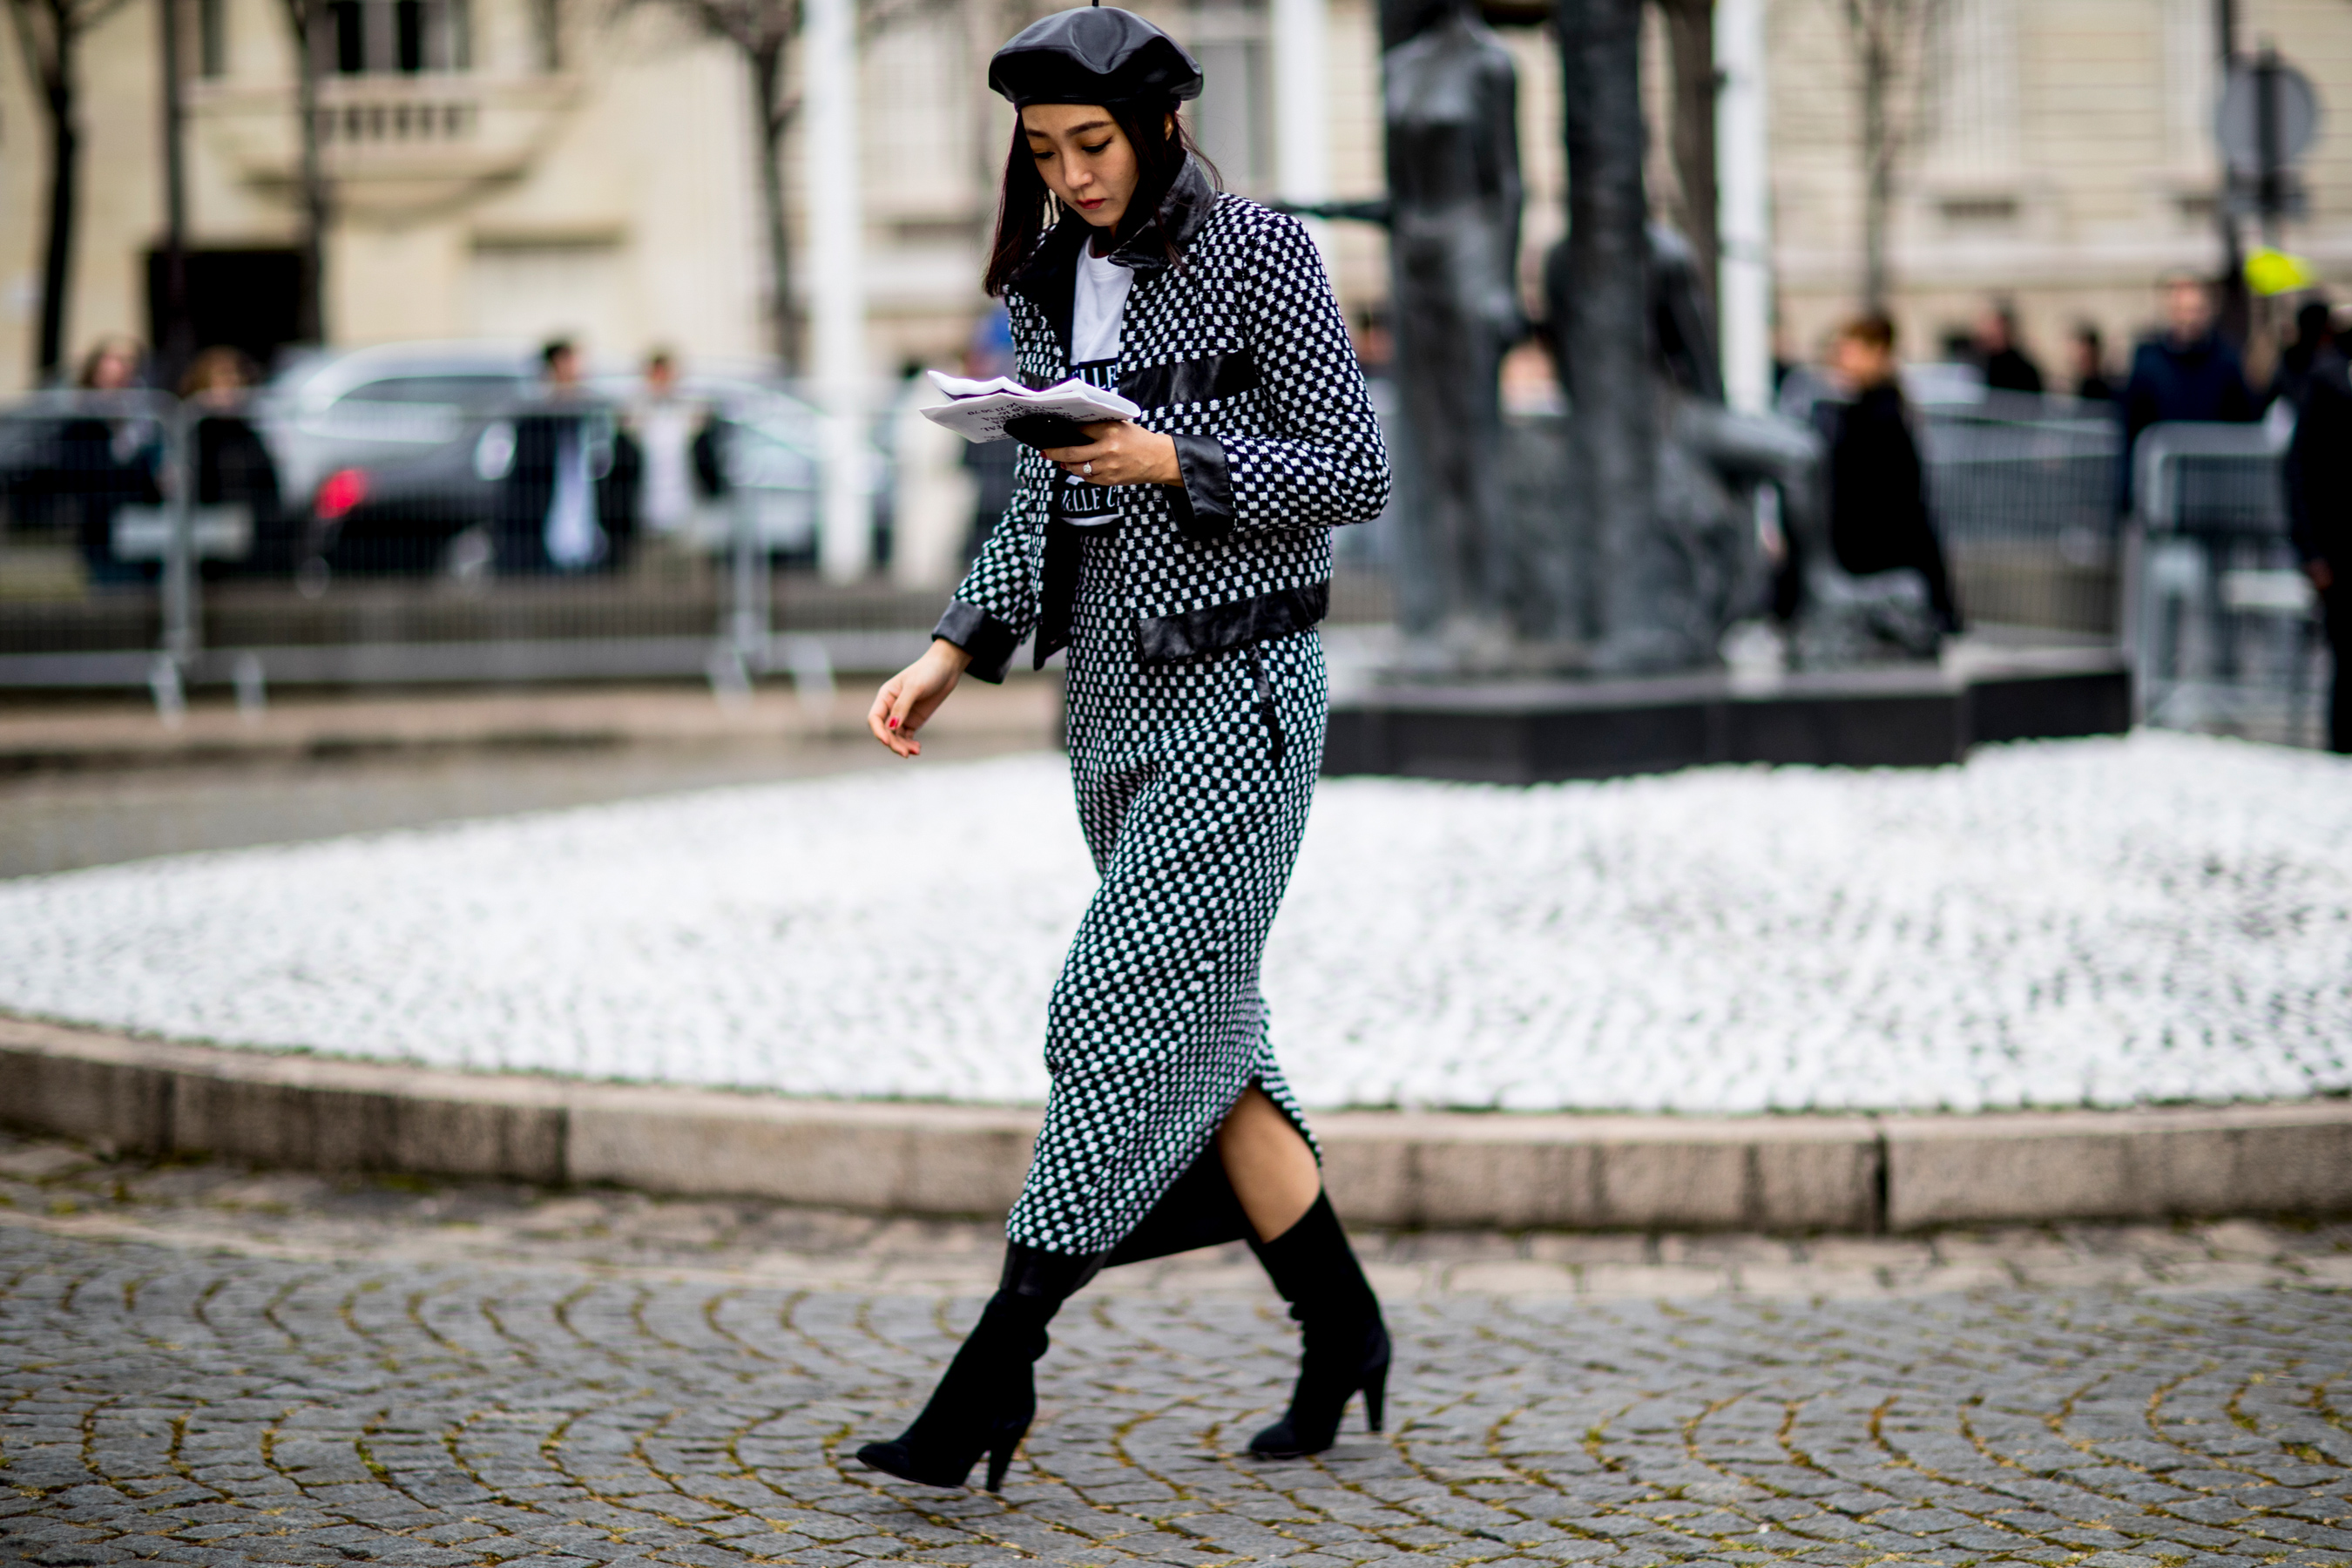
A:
<point x="893" y="723"/>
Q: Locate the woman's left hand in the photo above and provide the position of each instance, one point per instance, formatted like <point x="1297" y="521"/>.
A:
<point x="1120" y="453"/>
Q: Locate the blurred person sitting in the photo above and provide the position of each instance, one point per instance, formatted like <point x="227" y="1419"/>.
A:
<point x="1879" y="517"/>
<point x="2185" y="372"/>
<point x="2007" y="367"/>
<point x="2318" y="473"/>
<point x="233" y="466"/>
<point x="2315" y="334"/>
<point x="2090" y="365"/>
<point x="570" y="502"/>
<point x="676" y="448"/>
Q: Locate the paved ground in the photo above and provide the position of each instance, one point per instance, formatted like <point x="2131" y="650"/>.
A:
<point x="207" y="1364"/>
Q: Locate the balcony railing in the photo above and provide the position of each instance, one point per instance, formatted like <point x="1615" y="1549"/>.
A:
<point x="419" y="119"/>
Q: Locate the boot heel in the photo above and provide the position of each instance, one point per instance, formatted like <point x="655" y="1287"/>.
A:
<point x="1000" y="1459"/>
<point x="1376" y="1393"/>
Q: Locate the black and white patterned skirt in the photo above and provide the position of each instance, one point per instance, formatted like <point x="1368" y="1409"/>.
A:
<point x="1193" y="781"/>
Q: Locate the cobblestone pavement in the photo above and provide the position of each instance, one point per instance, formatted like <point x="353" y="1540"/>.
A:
<point x="201" y="1364"/>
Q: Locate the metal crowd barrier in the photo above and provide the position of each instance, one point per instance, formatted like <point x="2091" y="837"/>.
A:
<point x="2224" y="629"/>
<point x="148" y="540"/>
<point x="2024" y="496"/>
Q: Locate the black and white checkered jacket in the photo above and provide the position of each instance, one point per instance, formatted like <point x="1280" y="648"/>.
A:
<point x="1238" y="350"/>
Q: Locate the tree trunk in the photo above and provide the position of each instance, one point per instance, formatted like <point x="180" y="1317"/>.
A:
<point x="312" y="321"/>
<point x="65" y="169"/>
<point x="1877" y="156"/>
<point x="1690" y="37"/>
<point x="1607" y="337"/>
<point x="767" y="65"/>
<point x="175" y="333"/>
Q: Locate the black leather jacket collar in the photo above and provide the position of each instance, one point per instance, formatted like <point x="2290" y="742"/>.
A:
<point x="1049" y="277"/>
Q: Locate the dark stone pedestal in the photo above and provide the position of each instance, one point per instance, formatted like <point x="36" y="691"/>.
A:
<point x="1528" y="731"/>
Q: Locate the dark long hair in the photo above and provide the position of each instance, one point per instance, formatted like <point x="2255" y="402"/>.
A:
<point x="1027" y="209"/>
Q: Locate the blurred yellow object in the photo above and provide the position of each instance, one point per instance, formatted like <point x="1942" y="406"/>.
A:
<point x="2272" y="271"/>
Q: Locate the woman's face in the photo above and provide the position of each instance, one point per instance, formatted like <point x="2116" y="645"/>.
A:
<point x="1085" y="158"/>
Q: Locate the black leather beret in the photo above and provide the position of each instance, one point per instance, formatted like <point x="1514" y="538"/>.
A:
<point x="1098" y="54"/>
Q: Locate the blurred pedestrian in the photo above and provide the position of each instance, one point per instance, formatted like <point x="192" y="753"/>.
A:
<point x="2007" y="367"/>
<point x="233" y="465"/>
<point x="931" y="486"/>
<point x="991" y="463"/>
<point x="677" y="450"/>
<point x="2319" y="511"/>
<point x="2186" y="372"/>
<point x="1183" y="559"/>
<point x="565" y="508"/>
<point x="2315" y="334"/>
<point x="2090" y="366"/>
<point x="1879" y="516"/>
<point x="109" y="455"/>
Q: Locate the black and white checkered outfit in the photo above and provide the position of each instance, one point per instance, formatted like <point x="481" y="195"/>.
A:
<point x="1196" y="689"/>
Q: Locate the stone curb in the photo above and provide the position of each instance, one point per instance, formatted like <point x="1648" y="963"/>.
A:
<point x="1766" y="1172"/>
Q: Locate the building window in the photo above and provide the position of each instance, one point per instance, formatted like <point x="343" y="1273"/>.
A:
<point x="212" y="37"/>
<point x="400" y="36"/>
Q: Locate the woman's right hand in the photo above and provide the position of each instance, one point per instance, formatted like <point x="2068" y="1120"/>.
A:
<point x="911" y="697"/>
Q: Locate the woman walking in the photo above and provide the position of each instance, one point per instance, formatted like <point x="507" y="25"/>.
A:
<point x="1183" y="560"/>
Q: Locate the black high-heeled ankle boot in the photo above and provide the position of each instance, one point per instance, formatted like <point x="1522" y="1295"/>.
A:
<point x="1346" y="1344"/>
<point x="984" y="1404"/>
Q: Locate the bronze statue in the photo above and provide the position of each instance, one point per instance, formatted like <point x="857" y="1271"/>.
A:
<point x="1451" y="100"/>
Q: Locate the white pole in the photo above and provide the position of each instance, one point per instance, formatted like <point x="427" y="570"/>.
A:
<point x="1744" y="210"/>
<point x="836" y="291"/>
<point x="1302" y="107"/>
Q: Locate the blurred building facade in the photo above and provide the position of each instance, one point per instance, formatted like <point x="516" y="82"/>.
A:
<point x="515" y="168"/>
<point x="2060" y="153"/>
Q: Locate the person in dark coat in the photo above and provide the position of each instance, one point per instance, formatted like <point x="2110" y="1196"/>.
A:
<point x="233" y="465"/>
<point x="106" y="460"/>
<point x="1879" y="516"/>
<point x="2091" y="382"/>
<point x="990" y="463"/>
<point x="2315" y="333"/>
<point x="2007" y="367"/>
<point x="570" y="502"/>
<point x="2319" y="508"/>
<point x="2185" y="372"/>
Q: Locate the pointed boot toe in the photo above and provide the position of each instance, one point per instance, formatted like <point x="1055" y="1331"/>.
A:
<point x="1282" y="1441"/>
<point x="896" y="1459"/>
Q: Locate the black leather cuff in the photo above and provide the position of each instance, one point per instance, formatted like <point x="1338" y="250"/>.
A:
<point x="1204" y="507"/>
<point x="989" y="640"/>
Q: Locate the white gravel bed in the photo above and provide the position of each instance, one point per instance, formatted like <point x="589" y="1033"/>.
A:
<point x="2095" y="922"/>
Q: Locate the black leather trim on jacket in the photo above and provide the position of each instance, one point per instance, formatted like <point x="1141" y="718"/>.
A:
<point x="1166" y="639"/>
<point x="1191" y="380"/>
<point x="989" y="640"/>
<point x="1057" y="595"/>
<point x="1180" y="215"/>
<point x="1203" y="508"/>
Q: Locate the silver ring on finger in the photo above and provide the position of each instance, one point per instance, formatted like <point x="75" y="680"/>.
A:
<point x="1089" y="470"/>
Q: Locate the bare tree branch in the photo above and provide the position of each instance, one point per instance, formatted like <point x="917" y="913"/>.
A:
<point x="1890" y="40"/>
<point x="763" y="34"/>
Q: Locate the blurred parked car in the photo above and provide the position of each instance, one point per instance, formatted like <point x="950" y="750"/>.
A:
<point x="399" y="454"/>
